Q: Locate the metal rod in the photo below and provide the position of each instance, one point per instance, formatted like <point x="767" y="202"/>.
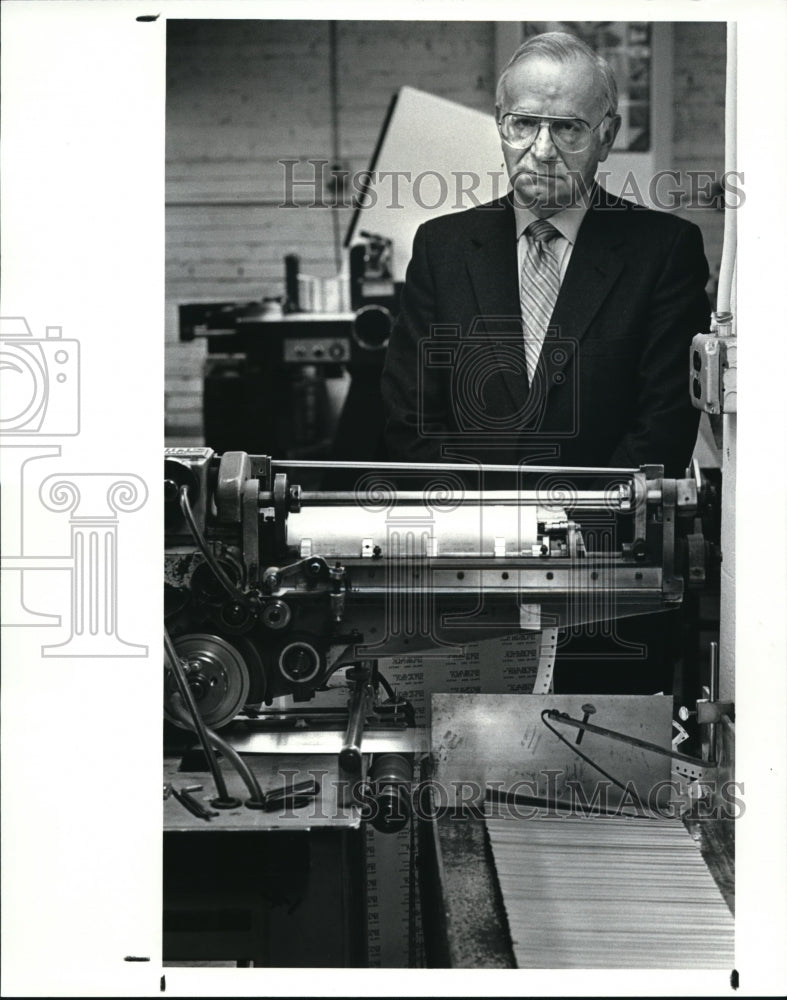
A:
<point x="556" y="716"/>
<point x="359" y="708"/>
<point x="298" y="463"/>
<point x="713" y="694"/>
<point x="586" y="498"/>
<point x="713" y="687"/>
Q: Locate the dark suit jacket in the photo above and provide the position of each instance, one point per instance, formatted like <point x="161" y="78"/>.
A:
<point x="612" y="386"/>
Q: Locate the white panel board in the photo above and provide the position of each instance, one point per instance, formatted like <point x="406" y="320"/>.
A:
<point x="446" y="158"/>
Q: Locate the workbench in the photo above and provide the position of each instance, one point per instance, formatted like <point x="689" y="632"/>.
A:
<point x="268" y="889"/>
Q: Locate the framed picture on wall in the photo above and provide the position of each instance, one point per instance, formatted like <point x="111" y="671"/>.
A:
<point x="628" y="48"/>
<point x="641" y="56"/>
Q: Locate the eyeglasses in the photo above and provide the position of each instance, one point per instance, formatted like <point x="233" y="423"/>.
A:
<point x="569" y="135"/>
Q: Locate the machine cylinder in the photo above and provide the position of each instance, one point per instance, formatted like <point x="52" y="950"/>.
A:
<point x="354" y="530"/>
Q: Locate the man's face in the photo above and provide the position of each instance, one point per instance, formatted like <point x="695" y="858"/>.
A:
<point x="546" y="179"/>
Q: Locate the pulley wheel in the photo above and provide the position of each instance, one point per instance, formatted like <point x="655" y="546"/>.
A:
<point x="217" y="675"/>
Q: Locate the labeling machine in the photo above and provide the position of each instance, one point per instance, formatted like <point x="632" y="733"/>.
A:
<point x="281" y="601"/>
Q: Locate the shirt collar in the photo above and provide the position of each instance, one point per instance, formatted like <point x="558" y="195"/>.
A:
<point x="567" y="221"/>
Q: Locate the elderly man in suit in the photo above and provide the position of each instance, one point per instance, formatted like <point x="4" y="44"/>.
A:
<point x="553" y="325"/>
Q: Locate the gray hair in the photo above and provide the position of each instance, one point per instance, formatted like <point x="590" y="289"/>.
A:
<point x="562" y="47"/>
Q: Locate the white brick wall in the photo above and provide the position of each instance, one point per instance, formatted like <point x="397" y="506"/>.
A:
<point x="244" y="95"/>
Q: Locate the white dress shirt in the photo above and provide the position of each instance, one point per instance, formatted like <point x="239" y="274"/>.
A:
<point x="567" y="222"/>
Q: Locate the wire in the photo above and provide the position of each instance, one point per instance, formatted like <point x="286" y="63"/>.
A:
<point x="243" y="769"/>
<point x="232" y="755"/>
<point x="406" y="706"/>
<point x="184" y="601"/>
<point x="587" y="760"/>
<point x="385" y="684"/>
<point x="204" y="548"/>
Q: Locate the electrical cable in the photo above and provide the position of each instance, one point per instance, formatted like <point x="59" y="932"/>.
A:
<point x="257" y="799"/>
<point x="204" y="548"/>
<point x="386" y="685"/>
<point x="173" y="612"/>
<point x="406" y="706"/>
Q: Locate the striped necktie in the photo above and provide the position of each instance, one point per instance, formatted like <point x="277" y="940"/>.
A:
<point x="538" y="288"/>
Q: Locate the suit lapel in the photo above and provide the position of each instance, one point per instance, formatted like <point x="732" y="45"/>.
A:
<point x="492" y="263"/>
<point x="596" y="262"/>
<point x="494" y="274"/>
